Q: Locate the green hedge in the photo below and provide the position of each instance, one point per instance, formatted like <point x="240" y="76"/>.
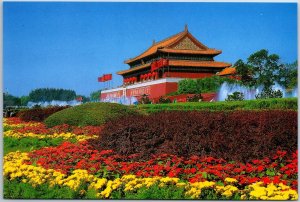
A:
<point x="279" y="103"/>
<point x="90" y="114"/>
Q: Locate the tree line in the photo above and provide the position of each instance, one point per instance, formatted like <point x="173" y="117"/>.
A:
<point x="47" y="94"/>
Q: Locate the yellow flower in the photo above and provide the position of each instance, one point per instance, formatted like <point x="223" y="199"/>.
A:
<point x="230" y="180"/>
<point x="258" y="192"/>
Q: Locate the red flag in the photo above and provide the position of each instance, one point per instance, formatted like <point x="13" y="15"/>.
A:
<point x="100" y="79"/>
<point x="107" y="77"/>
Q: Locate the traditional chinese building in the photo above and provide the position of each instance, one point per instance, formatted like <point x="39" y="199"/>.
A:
<point x="157" y="71"/>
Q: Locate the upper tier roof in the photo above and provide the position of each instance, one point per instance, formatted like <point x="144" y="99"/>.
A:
<point x="169" y="45"/>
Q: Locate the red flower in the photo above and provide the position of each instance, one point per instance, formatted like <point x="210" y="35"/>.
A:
<point x="276" y="180"/>
<point x="266" y="180"/>
<point x="260" y="168"/>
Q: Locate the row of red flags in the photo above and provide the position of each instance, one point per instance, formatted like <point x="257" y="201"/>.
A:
<point x="159" y="63"/>
<point x="145" y="76"/>
<point x="105" y="77"/>
<point x="128" y="80"/>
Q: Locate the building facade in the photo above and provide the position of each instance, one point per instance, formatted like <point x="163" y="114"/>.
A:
<point x="157" y="71"/>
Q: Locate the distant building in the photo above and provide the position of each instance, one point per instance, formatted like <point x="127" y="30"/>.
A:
<point x="157" y="71"/>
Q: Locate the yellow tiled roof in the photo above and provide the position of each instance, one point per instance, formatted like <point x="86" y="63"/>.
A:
<point x="227" y="71"/>
<point x="165" y="46"/>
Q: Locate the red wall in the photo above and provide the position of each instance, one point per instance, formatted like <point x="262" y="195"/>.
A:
<point x="111" y="94"/>
<point x="154" y="91"/>
<point x="187" y="75"/>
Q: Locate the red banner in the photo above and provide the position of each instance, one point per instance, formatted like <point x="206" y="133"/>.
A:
<point x="153" y="66"/>
<point x="159" y="63"/>
<point x="165" y="62"/>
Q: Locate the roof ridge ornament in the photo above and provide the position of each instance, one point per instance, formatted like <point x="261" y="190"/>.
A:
<point x="153" y="42"/>
<point x="186" y="28"/>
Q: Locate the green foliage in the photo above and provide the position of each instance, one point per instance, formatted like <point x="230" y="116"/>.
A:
<point x="279" y="103"/>
<point x="145" y="99"/>
<point x="28" y="144"/>
<point x="24" y="100"/>
<point x="244" y="70"/>
<point x="236" y="96"/>
<point x="156" y="192"/>
<point x="205" y="85"/>
<point x="288" y="74"/>
<point x="92" y="114"/>
<point x="19" y="190"/>
<point x="95" y="96"/>
<point x="264" y="67"/>
<point x="49" y="94"/>
<point x="10" y="100"/>
<point x="188" y="86"/>
<point x="210" y="194"/>
<point x="269" y="93"/>
<point x="164" y="100"/>
<point x="91" y="194"/>
<point x="194" y="98"/>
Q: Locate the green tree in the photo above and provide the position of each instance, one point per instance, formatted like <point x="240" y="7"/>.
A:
<point x="95" y="96"/>
<point x="24" y="100"/>
<point x="244" y="70"/>
<point x="264" y="67"/>
<point x="287" y="75"/>
<point x="10" y="100"/>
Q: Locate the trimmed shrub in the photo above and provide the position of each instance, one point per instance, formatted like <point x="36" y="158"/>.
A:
<point x="279" y="103"/>
<point x="236" y="96"/>
<point x="90" y="114"/>
<point x="145" y="99"/>
<point x="194" y="98"/>
<point x="38" y="114"/>
<point x="204" y="85"/>
<point x="164" y="100"/>
<point x="237" y="135"/>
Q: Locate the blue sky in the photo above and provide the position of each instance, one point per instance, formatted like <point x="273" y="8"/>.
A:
<point x="68" y="45"/>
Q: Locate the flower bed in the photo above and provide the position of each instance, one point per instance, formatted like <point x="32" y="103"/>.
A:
<point x="91" y="173"/>
<point x="17" y="166"/>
